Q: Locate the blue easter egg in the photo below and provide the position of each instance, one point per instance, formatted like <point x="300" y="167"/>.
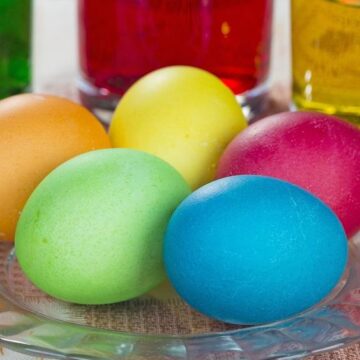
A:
<point x="254" y="249"/>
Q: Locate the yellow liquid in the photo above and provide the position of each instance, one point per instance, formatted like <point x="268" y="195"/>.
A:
<point x="326" y="56"/>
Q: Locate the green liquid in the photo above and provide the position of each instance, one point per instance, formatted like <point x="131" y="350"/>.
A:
<point x="15" y="38"/>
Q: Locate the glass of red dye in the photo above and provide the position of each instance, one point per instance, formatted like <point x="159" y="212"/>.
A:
<point x="122" y="40"/>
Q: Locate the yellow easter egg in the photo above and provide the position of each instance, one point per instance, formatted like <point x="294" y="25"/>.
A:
<point x="184" y="115"/>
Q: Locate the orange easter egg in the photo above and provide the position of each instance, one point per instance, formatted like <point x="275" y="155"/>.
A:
<point x="38" y="133"/>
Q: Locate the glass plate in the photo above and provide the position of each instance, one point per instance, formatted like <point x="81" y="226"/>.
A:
<point x="160" y="326"/>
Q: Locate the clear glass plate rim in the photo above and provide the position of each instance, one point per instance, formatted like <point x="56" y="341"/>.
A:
<point x="236" y="332"/>
<point x="208" y="342"/>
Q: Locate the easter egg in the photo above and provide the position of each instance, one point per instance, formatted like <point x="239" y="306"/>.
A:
<point x="318" y="152"/>
<point x="37" y="133"/>
<point x="184" y="115"/>
<point x="252" y="250"/>
<point x="92" y="231"/>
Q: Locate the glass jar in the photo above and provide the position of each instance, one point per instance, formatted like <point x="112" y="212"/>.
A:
<point x="15" y="36"/>
<point x="122" y="40"/>
<point x="326" y="53"/>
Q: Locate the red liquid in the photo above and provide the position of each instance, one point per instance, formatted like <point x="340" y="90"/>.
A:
<point x="121" y="40"/>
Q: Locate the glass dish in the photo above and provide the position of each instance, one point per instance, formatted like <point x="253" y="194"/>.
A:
<point x="160" y="326"/>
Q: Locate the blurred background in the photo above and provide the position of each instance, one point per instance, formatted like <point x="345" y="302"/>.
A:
<point x="56" y="56"/>
<point x="124" y="40"/>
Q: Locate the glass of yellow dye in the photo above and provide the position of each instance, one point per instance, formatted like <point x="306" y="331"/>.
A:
<point x="326" y="56"/>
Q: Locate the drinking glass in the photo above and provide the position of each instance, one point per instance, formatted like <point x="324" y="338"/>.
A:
<point x="122" y="40"/>
<point x="15" y="35"/>
<point x="326" y="53"/>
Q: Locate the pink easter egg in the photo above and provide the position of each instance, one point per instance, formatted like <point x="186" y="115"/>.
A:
<point x="318" y="152"/>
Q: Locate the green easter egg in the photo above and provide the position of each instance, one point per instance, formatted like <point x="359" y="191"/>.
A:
<point x="92" y="232"/>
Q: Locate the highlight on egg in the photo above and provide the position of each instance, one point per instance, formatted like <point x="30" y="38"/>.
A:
<point x="38" y="133"/>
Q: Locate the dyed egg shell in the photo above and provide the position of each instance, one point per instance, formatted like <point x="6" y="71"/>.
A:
<point x="92" y="231"/>
<point x="184" y="115"/>
<point x="38" y="133"/>
<point x="318" y="152"/>
<point x="252" y="250"/>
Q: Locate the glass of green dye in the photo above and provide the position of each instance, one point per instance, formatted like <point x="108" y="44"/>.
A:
<point x="15" y="44"/>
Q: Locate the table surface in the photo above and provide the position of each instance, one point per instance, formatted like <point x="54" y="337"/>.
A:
<point x="55" y="70"/>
